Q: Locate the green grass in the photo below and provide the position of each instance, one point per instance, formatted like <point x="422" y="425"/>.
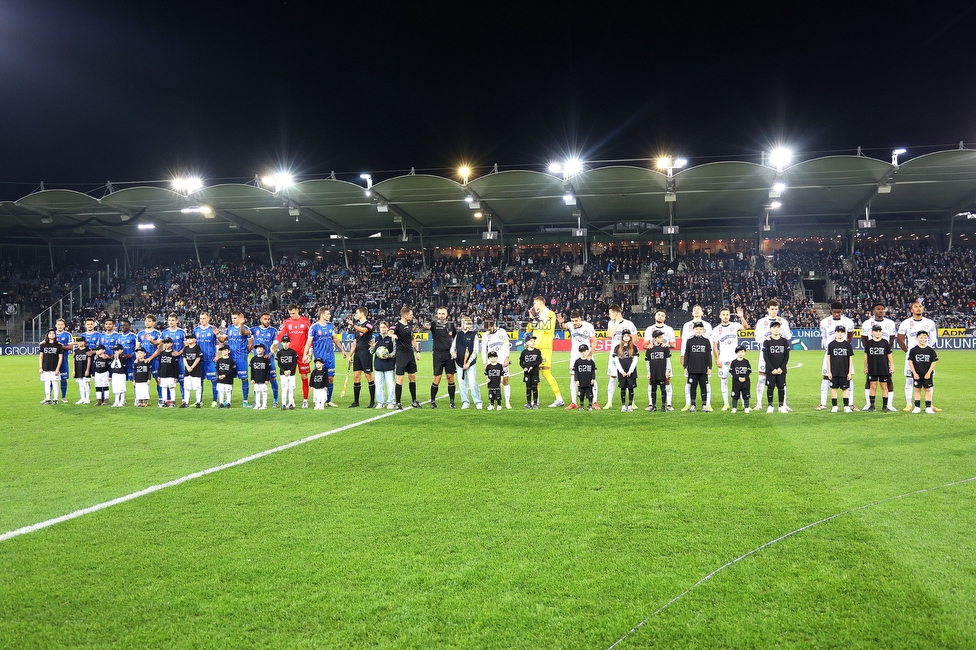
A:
<point x="478" y="529"/>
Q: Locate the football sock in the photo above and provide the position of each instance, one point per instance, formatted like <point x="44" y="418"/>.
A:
<point x="398" y="392"/>
<point x="372" y="392"/>
<point x="507" y="390"/>
<point x="433" y="391"/>
<point x="908" y="390"/>
<point x="357" y="387"/>
<point x="760" y="384"/>
<point x="724" y="383"/>
<point x="328" y="391"/>
<point x="213" y="387"/>
<point x="824" y="389"/>
<point x="552" y="383"/>
<point x="305" y="387"/>
<point x="452" y="391"/>
<point x="64" y="388"/>
<point x="246" y="387"/>
<point x="413" y="391"/>
<point x="611" y="387"/>
<point x="687" y="393"/>
<point x="670" y="392"/>
<point x="274" y="389"/>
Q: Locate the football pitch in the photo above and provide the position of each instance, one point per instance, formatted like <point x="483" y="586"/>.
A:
<point x="478" y="529"/>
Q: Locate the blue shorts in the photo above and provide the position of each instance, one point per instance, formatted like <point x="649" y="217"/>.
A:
<point x="63" y="370"/>
<point x="129" y="369"/>
<point x="241" y="363"/>
<point x="209" y="369"/>
<point x="154" y="367"/>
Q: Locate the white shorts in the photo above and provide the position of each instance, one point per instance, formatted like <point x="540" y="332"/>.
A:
<point x="762" y="363"/>
<point x="118" y="383"/>
<point x="192" y="383"/>
<point x="101" y="380"/>
<point x="167" y="382"/>
<point x="82" y="380"/>
<point x="723" y="367"/>
<point x="260" y="388"/>
<point x="142" y="391"/>
<point x="50" y="376"/>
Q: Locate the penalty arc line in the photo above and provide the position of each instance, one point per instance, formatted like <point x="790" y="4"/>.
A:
<point x="195" y="475"/>
<point x="774" y="541"/>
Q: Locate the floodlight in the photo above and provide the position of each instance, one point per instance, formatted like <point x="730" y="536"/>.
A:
<point x="894" y="156"/>
<point x="469" y="199"/>
<point x="555" y="168"/>
<point x="779" y="187"/>
<point x="780" y="157"/>
<point x="369" y="182"/>
<point x="187" y="185"/>
<point x="663" y="162"/>
<point x="573" y="166"/>
<point x="146" y="226"/>
<point x="478" y="215"/>
<point x="680" y="162"/>
<point x="569" y="199"/>
<point x="775" y="205"/>
<point x="464" y="172"/>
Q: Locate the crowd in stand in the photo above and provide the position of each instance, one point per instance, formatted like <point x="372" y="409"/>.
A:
<point x="480" y="286"/>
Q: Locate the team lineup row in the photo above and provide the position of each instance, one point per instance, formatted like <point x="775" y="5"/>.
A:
<point x="387" y="355"/>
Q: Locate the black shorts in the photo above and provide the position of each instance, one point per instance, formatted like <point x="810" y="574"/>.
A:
<point x="628" y="382"/>
<point x="406" y="363"/>
<point x="840" y="382"/>
<point x="362" y="361"/>
<point x="444" y="363"/>
<point x="744" y="391"/>
<point x="881" y="379"/>
<point x="922" y="382"/>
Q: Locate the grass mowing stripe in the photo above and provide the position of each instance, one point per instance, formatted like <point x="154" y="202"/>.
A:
<point x="195" y="475"/>
<point x="780" y="539"/>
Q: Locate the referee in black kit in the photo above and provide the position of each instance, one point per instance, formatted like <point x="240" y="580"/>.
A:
<point x="407" y="352"/>
<point x="442" y="333"/>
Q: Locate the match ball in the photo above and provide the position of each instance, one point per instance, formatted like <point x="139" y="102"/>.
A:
<point x="382" y="352"/>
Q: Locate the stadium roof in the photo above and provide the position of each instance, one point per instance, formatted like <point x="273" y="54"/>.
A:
<point x="722" y="199"/>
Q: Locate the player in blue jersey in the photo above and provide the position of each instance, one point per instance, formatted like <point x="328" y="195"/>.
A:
<point x="63" y="336"/>
<point x="238" y="338"/>
<point x="207" y="340"/>
<point x="265" y="334"/>
<point x="91" y="335"/>
<point x="322" y="342"/>
<point x="110" y="336"/>
<point x="150" y="340"/>
<point x="175" y="332"/>
<point x="128" y="339"/>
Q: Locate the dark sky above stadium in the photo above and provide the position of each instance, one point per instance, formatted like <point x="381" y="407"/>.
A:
<point x="138" y="91"/>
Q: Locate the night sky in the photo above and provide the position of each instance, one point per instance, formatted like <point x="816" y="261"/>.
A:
<point x="139" y="91"/>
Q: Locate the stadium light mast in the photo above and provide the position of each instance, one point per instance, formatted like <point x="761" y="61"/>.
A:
<point x="568" y="169"/>
<point x="780" y="158"/>
<point x="279" y="181"/>
<point x="669" y="164"/>
<point x="464" y="172"/>
<point x="187" y="185"/>
<point x="894" y="156"/>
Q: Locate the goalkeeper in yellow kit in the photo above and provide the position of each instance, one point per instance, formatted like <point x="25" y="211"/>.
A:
<point x="543" y="325"/>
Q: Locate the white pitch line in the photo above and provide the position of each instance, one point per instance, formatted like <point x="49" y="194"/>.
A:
<point x="779" y="539"/>
<point x="195" y="475"/>
<point x="183" y="479"/>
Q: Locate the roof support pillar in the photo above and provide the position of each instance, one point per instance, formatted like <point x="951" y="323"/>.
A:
<point x="345" y="251"/>
<point x="50" y="251"/>
<point x="196" y="249"/>
<point x="270" y="255"/>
